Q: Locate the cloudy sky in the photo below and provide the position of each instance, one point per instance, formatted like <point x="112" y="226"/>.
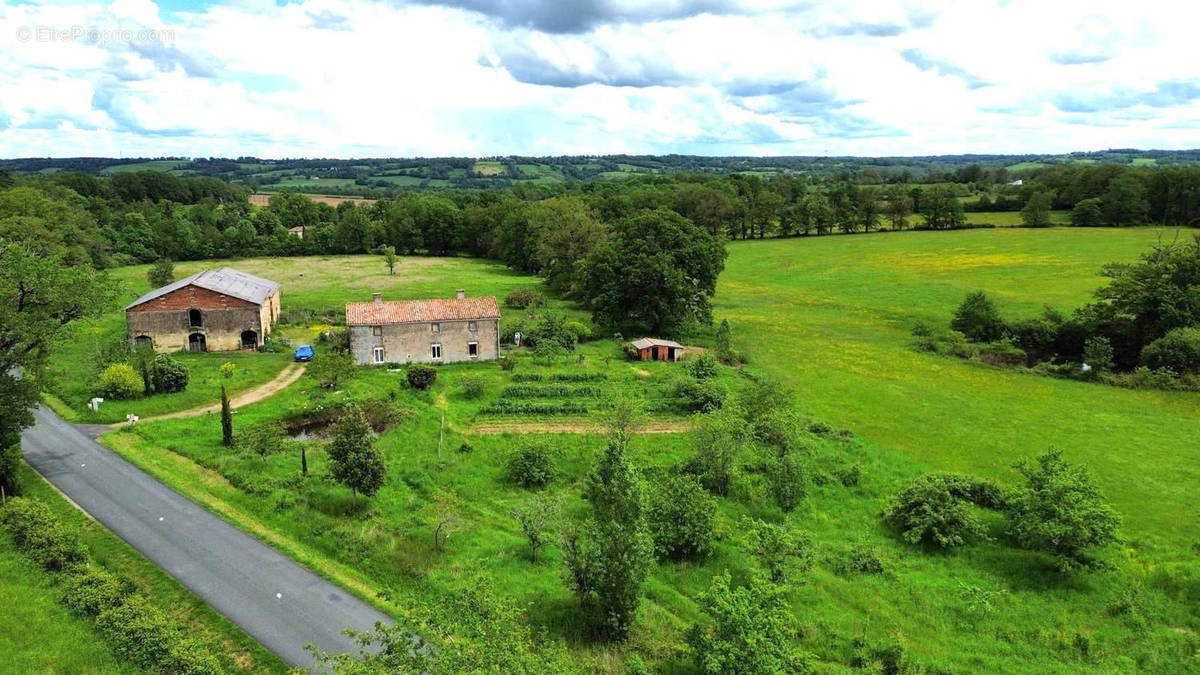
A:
<point x="354" y="78"/>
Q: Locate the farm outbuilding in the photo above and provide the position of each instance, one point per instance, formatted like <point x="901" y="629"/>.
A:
<point x="424" y="331"/>
<point x="214" y="310"/>
<point x="653" y="349"/>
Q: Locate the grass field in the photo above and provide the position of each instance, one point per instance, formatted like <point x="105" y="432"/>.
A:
<point x="830" y="316"/>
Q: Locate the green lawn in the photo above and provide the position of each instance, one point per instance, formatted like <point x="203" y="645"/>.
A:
<point x="830" y="316"/>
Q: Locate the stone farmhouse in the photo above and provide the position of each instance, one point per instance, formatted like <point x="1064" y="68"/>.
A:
<point x="214" y="310"/>
<point x="424" y="331"/>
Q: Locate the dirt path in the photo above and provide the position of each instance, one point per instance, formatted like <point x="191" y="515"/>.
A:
<point x="572" y="427"/>
<point x="280" y="382"/>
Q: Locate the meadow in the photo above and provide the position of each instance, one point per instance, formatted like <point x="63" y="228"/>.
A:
<point x="830" y="317"/>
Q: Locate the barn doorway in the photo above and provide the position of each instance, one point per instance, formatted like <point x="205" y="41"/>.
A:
<point x="249" y="339"/>
<point x="196" y="343"/>
<point x="654" y="353"/>
<point x="194" y="318"/>
<point x="143" y="341"/>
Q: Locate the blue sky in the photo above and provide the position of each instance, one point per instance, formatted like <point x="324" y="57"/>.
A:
<point x="353" y="78"/>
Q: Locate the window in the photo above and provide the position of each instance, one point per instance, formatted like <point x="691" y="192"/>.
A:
<point x="379" y="355"/>
<point x="435" y="327"/>
<point x="435" y="351"/>
<point x="376" y="330"/>
<point x="471" y="326"/>
<point x="194" y="318"/>
<point x="473" y="349"/>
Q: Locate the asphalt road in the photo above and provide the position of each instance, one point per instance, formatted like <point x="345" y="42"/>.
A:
<point x="281" y="604"/>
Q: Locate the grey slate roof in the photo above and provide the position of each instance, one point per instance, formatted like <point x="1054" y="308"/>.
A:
<point x="225" y="280"/>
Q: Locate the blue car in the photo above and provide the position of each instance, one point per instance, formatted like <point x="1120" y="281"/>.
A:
<point x="304" y="353"/>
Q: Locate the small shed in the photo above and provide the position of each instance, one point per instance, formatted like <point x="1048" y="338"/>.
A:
<point x="653" y="349"/>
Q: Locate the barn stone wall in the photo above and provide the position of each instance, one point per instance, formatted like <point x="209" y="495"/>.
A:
<point x="411" y="342"/>
<point x="166" y="319"/>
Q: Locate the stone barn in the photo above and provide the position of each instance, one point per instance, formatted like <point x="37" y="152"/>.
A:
<point x="214" y="310"/>
<point x="653" y="349"/>
<point x="424" y="331"/>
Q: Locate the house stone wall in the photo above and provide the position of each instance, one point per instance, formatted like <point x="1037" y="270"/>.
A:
<point x="410" y="342"/>
<point x="166" y="321"/>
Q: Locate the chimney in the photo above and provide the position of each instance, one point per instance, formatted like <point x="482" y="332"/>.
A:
<point x="377" y="298"/>
<point x="460" y="293"/>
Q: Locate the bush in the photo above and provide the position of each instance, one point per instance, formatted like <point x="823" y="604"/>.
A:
<point x="849" y="476"/>
<point x="1098" y="353"/>
<point x="978" y="319"/>
<point x="421" y="376"/>
<point x="524" y="298"/>
<point x="263" y="438"/>
<point x="531" y="466"/>
<point x="1002" y="352"/>
<point x="37" y="531"/>
<point x="681" y="517"/>
<point x="702" y="367"/>
<point x="95" y="591"/>
<point x="121" y="381"/>
<point x="580" y="330"/>
<point x="145" y="636"/>
<point x="781" y="552"/>
<point x="862" y="559"/>
<point x="473" y="386"/>
<point x="786" y="481"/>
<point x="169" y="375"/>
<point x="932" y="512"/>
<point x="508" y="362"/>
<point x="1177" y="351"/>
<point x="553" y="329"/>
<point x="161" y="273"/>
<point x="749" y="630"/>
<point x="700" y="395"/>
<point x="1059" y="512"/>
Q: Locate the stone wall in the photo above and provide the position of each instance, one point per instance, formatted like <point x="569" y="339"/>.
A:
<point x="167" y="322"/>
<point x="411" y="342"/>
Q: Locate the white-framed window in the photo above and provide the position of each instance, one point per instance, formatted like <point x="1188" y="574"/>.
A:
<point x="435" y="328"/>
<point x="376" y="330"/>
<point x="473" y="349"/>
<point x="379" y="355"/>
<point x="471" y="326"/>
<point x="435" y="351"/>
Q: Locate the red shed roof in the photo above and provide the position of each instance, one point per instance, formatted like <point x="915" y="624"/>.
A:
<point x="379" y="312"/>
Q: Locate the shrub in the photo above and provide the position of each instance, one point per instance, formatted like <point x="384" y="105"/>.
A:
<point x="1002" y="352"/>
<point x="95" y="591"/>
<point x="120" y="381"/>
<point x="421" y="376"/>
<point x="531" y="465"/>
<point x="862" y="559"/>
<point x="1178" y="351"/>
<point x="781" y="552"/>
<point x="786" y="481"/>
<point x="508" y="362"/>
<point x="580" y="330"/>
<point x="681" y="517"/>
<point x="849" y="476"/>
<point x="699" y="395"/>
<point x="931" y="512"/>
<point x="749" y="630"/>
<point x="1059" y="512"/>
<point x="473" y="386"/>
<point x="263" y="438"/>
<point x="169" y="375"/>
<point x="145" y="636"/>
<point x="37" y="531"/>
<point x="553" y="329"/>
<point x="978" y="319"/>
<point x="1098" y="353"/>
<point x="354" y="461"/>
<point x="724" y="342"/>
<point x="161" y="273"/>
<point x="702" y="367"/>
<point x="524" y="298"/>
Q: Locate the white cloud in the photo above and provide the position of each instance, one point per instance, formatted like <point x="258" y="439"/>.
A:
<point x="358" y="78"/>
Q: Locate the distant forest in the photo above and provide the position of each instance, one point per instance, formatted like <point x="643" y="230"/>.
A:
<point x="385" y="177"/>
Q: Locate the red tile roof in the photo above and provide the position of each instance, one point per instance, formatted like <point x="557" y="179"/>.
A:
<point x="420" y="311"/>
